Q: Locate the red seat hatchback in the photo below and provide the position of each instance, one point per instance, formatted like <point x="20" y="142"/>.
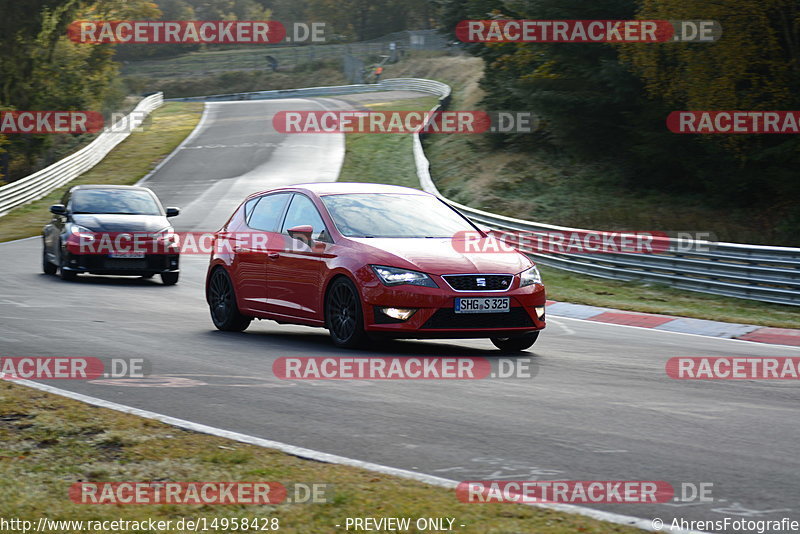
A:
<point x="366" y="260"/>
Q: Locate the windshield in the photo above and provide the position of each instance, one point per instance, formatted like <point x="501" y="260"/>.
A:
<point x="393" y="215"/>
<point x="115" y="201"/>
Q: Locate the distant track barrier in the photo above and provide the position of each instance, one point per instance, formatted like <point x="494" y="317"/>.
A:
<point x="41" y="183"/>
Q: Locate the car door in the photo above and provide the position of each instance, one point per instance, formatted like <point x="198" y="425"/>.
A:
<point x="296" y="273"/>
<point x="249" y="265"/>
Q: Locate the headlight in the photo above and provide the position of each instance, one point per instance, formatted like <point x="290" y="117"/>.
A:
<point x="392" y="276"/>
<point x="529" y="277"/>
<point x="167" y="235"/>
<point x="83" y="233"/>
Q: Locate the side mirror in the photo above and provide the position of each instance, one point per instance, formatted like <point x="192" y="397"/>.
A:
<point x="303" y="233"/>
<point x="173" y="212"/>
<point x="58" y="209"/>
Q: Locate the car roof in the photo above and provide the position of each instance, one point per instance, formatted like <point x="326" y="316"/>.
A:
<point x="338" y="188"/>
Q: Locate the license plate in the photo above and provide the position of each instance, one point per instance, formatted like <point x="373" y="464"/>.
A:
<point x="482" y="305"/>
<point x="127" y="255"/>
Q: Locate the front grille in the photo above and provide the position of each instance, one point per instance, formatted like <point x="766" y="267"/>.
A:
<point x="448" y="318"/>
<point x="124" y="263"/>
<point x="479" y="282"/>
<point x="99" y="262"/>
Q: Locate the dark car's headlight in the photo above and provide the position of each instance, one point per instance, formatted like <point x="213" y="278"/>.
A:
<point x="83" y="233"/>
<point x="393" y="276"/>
<point x="529" y="277"/>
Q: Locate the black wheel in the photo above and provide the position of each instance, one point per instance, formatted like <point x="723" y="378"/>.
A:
<point x="343" y="315"/>
<point x="47" y="266"/>
<point x="515" y="344"/>
<point x="222" y="301"/>
<point x="169" y="279"/>
<point x="67" y="275"/>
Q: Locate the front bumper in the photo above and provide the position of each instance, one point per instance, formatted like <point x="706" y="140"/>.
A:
<point x="103" y="264"/>
<point x="436" y="318"/>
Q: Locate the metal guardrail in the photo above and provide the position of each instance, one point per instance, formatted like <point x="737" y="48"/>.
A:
<point x="284" y="93"/>
<point x="755" y="272"/>
<point x="63" y="171"/>
<point x="391" y="84"/>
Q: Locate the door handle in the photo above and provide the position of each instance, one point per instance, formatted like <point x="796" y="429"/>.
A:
<point x="273" y="255"/>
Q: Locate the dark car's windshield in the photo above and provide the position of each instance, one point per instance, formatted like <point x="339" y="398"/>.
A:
<point x="393" y="215"/>
<point x="114" y="201"/>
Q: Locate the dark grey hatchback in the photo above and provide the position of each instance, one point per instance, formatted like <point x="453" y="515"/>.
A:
<point x="90" y="215"/>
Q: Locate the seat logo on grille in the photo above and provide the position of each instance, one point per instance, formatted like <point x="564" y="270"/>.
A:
<point x="481" y="282"/>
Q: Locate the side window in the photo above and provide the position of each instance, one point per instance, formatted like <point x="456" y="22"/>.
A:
<point x="266" y="214"/>
<point x="248" y="208"/>
<point x="301" y="212"/>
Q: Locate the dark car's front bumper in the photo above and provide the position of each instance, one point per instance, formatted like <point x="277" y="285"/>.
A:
<point x="103" y="264"/>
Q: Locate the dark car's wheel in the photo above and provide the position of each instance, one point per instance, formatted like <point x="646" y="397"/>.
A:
<point x="47" y="266"/>
<point x="169" y="279"/>
<point x="343" y="315"/>
<point x="515" y="344"/>
<point x="222" y="301"/>
<point x="66" y="274"/>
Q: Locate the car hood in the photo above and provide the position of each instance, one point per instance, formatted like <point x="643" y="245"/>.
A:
<point x="121" y="223"/>
<point x="438" y="256"/>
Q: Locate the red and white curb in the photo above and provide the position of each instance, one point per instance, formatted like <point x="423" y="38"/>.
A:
<point x="669" y="323"/>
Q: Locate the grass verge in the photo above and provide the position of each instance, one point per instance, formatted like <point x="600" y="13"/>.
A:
<point x="47" y="443"/>
<point x="383" y="158"/>
<point x="132" y="159"/>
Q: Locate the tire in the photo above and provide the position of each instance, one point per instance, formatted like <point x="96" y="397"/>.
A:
<point x="169" y="279"/>
<point x="515" y="344"/>
<point x="67" y="275"/>
<point x="343" y="316"/>
<point x="222" y="304"/>
<point x="47" y="266"/>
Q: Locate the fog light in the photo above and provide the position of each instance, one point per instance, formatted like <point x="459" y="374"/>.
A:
<point x="401" y="314"/>
<point x="540" y="312"/>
